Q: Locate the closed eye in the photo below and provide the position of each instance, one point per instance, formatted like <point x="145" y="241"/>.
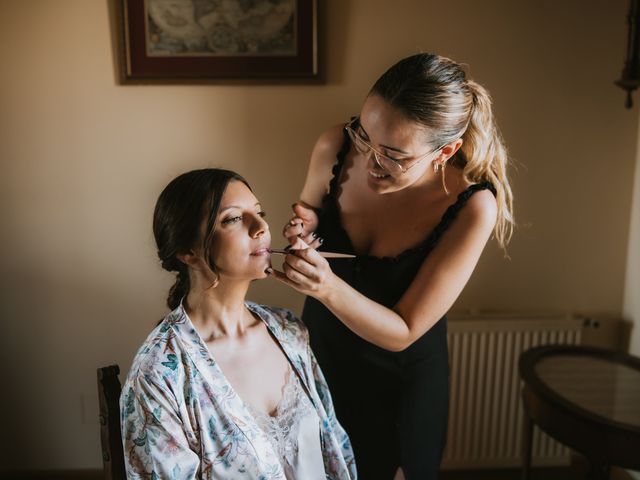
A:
<point x="365" y="138"/>
<point x="238" y="218"/>
<point x="399" y="160"/>
<point x="230" y="220"/>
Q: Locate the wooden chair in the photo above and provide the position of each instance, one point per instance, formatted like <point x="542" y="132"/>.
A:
<point x="110" y="435"/>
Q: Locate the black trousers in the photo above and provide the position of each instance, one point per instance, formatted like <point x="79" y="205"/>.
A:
<point x="394" y="406"/>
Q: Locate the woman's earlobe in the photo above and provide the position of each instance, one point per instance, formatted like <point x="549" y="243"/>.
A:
<point x="188" y="258"/>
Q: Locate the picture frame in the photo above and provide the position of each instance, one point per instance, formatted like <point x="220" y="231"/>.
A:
<point x="214" y="41"/>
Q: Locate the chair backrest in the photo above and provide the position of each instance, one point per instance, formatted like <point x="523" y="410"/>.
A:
<point x="110" y="435"/>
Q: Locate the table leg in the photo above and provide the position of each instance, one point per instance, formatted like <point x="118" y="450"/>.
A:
<point x="527" y="445"/>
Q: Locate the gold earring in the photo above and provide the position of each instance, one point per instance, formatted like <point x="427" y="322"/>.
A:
<point x="444" y="183"/>
<point x="216" y="280"/>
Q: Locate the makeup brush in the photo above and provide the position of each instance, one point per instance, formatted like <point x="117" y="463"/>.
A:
<point x="322" y="254"/>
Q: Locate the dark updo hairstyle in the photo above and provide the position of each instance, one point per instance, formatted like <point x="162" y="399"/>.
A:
<point x="183" y="205"/>
<point x="434" y="92"/>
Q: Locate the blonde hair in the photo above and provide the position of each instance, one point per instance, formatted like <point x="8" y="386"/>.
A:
<point x="434" y="91"/>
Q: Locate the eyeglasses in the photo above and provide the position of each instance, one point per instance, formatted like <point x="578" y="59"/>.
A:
<point x="392" y="166"/>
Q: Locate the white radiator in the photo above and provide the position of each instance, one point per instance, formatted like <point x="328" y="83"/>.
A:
<point x="485" y="412"/>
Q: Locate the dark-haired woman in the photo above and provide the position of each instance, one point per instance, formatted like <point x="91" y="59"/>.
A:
<point x="413" y="186"/>
<point x="224" y="388"/>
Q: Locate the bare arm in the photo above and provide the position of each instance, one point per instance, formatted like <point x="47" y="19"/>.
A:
<point x="323" y="157"/>
<point x="437" y="285"/>
<point x="305" y="219"/>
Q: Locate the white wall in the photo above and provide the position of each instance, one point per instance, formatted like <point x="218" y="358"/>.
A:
<point x="83" y="160"/>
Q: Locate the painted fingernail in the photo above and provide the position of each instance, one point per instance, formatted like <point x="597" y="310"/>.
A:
<point x="268" y="270"/>
<point x="320" y="240"/>
<point x="288" y="247"/>
<point x="314" y="234"/>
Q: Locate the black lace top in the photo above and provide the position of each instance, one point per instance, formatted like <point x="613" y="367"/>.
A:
<point x="382" y="279"/>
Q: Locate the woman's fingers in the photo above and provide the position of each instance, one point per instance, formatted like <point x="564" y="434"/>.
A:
<point x="299" y="244"/>
<point x="292" y="278"/>
<point x="315" y="244"/>
<point x="295" y="264"/>
<point x="281" y="276"/>
<point x="304" y="221"/>
<point x="306" y="214"/>
<point x="309" y="238"/>
<point x="310" y="256"/>
<point x="304" y="283"/>
<point x="295" y="230"/>
<point x="303" y="269"/>
<point x="291" y="231"/>
<point x="306" y="268"/>
<point x="293" y="227"/>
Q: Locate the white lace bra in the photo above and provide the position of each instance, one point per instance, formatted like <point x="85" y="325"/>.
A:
<point x="294" y="432"/>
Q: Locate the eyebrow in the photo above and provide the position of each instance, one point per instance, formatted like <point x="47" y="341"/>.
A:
<point x="388" y="147"/>
<point x="236" y="206"/>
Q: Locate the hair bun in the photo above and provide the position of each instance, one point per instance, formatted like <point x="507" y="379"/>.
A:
<point x="171" y="264"/>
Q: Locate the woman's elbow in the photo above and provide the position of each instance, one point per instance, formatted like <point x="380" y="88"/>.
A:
<point x="403" y="337"/>
<point x="406" y="338"/>
<point x="400" y="343"/>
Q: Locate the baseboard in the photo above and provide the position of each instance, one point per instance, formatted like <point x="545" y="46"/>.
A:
<point x="52" y="475"/>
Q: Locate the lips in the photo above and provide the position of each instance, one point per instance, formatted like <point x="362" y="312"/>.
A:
<point x="378" y="176"/>
<point x="261" y="251"/>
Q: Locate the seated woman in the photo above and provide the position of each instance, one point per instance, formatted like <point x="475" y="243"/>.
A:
<point x="224" y="388"/>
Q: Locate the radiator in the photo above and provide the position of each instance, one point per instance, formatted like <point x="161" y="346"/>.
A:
<point x="485" y="416"/>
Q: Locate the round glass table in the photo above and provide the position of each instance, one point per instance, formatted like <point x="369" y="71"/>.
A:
<point x="586" y="398"/>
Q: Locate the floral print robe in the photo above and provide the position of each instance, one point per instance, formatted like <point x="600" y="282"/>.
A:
<point x="181" y="419"/>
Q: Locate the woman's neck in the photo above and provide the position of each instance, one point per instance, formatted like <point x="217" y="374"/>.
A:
<point x="219" y="311"/>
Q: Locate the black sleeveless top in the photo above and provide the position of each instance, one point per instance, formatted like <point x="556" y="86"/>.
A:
<point x="382" y="279"/>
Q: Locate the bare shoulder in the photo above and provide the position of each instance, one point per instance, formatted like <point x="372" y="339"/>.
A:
<point x="481" y="209"/>
<point x="322" y="160"/>
<point x="328" y="145"/>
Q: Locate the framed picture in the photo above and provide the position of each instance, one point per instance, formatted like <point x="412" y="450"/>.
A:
<point x="183" y="41"/>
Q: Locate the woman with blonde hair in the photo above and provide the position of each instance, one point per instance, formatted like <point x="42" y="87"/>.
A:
<point x="413" y="186"/>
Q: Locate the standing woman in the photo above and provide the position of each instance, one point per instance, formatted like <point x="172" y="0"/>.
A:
<point x="414" y="187"/>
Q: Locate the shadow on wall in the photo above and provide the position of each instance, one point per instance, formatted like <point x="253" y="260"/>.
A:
<point x="60" y="329"/>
